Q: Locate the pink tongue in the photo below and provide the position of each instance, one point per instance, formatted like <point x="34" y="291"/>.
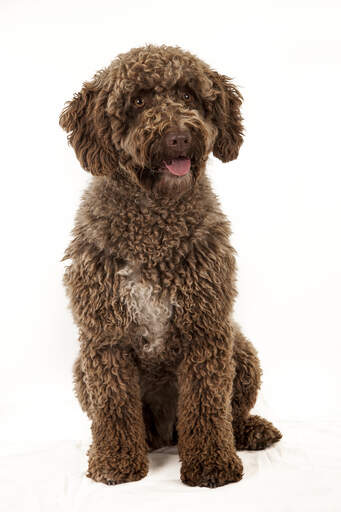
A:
<point x="179" y="166"/>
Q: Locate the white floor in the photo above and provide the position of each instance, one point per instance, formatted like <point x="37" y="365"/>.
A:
<point x="301" y="473"/>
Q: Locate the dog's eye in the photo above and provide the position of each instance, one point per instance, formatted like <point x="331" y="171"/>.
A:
<point x="186" y="96"/>
<point x="139" y="101"/>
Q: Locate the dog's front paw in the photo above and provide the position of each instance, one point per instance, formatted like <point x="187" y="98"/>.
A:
<point x="111" y="468"/>
<point x="211" y="473"/>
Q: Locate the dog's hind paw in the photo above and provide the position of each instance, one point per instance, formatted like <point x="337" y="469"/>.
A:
<point x="255" y="433"/>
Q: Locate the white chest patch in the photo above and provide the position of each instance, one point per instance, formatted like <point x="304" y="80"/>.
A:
<point x="150" y="313"/>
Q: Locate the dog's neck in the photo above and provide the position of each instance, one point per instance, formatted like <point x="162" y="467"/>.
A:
<point x="127" y="190"/>
<point x="128" y="223"/>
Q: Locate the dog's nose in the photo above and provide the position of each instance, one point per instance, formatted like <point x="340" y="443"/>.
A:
<point x="178" y="140"/>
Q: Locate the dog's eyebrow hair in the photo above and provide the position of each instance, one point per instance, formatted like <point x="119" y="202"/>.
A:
<point x="187" y="86"/>
<point x="140" y="90"/>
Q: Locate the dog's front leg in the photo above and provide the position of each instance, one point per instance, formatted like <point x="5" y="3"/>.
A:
<point x="118" y="452"/>
<point x="206" y="443"/>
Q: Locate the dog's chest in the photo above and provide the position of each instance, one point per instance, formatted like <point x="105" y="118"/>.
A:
<point x="149" y="312"/>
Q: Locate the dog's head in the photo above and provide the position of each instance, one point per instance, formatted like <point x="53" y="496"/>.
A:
<point x="155" y="113"/>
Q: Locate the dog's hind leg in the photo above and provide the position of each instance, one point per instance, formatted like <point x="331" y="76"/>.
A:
<point x="250" y="432"/>
<point x="80" y="387"/>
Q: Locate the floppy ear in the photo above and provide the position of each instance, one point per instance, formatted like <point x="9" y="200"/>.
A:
<point x="88" y="125"/>
<point x="227" y="117"/>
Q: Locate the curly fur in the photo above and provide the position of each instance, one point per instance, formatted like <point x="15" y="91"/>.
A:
<point x="152" y="276"/>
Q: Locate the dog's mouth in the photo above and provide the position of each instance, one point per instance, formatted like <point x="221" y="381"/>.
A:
<point x="177" y="166"/>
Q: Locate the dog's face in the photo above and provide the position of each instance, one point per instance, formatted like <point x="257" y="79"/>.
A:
<point x="156" y="113"/>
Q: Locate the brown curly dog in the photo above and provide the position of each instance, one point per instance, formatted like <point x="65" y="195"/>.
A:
<point x="152" y="275"/>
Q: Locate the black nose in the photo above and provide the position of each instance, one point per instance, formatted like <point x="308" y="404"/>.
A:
<point x="178" y="140"/>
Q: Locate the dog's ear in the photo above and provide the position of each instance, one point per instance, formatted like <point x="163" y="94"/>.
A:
<point x="227" y="117"/>
<point x="88" y="126"/>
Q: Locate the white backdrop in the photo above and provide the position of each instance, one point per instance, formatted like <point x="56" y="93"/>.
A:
<point x="282" y="194"/>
